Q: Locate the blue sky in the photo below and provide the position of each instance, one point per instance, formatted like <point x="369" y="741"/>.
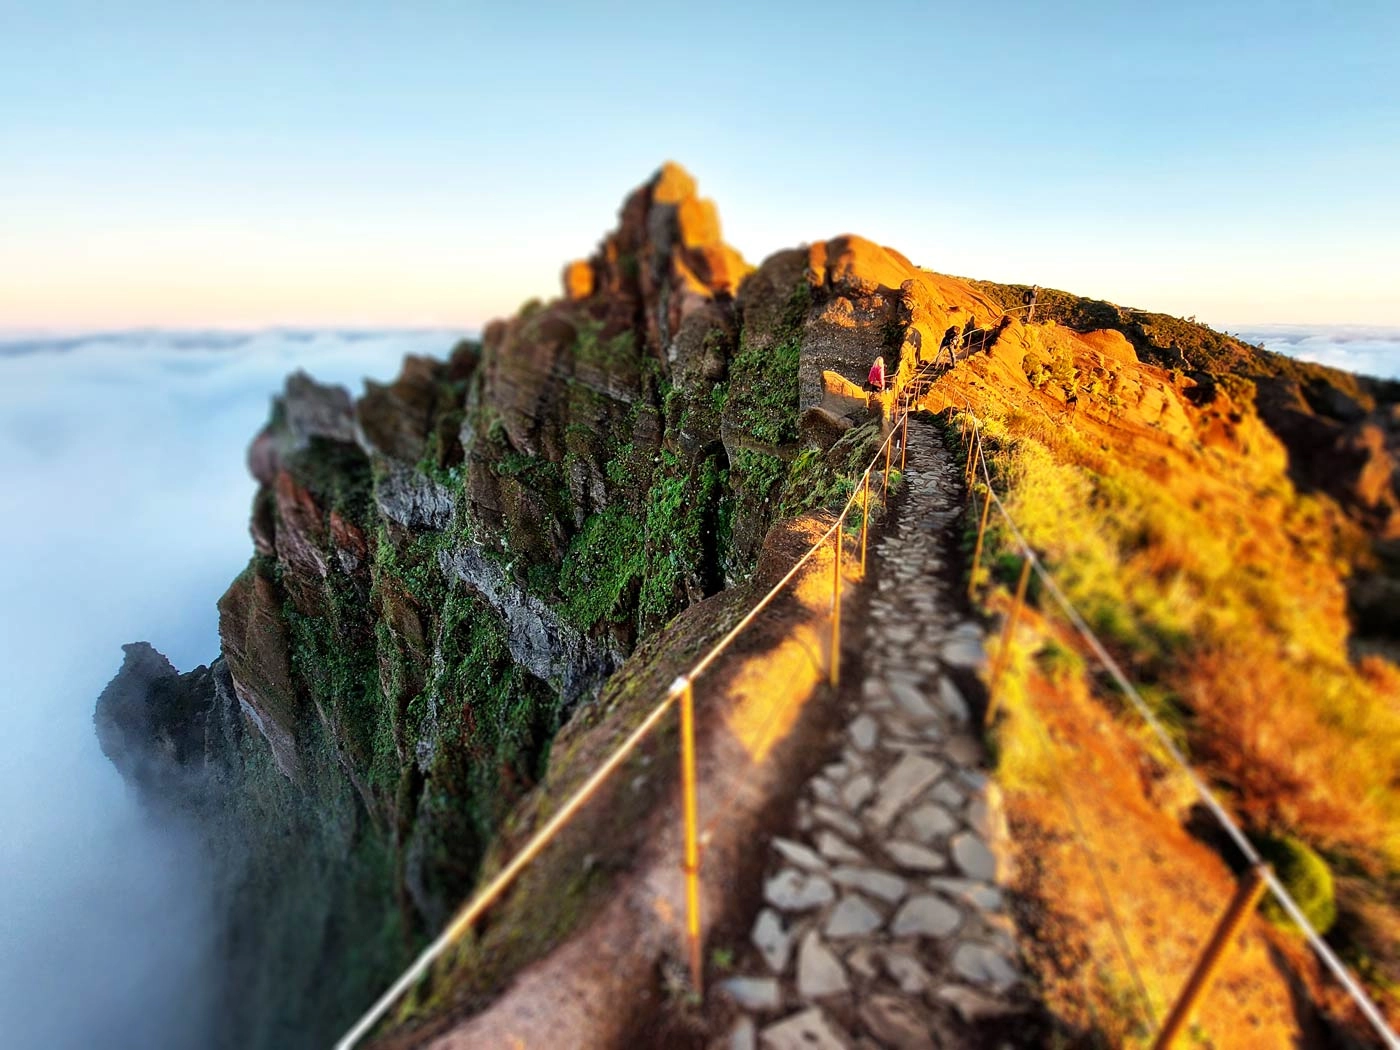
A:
<point x="415" y="164"/>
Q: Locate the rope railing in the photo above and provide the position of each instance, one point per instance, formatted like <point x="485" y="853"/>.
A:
<point x="1259" y="870"/>
<point x="681" y="691"/>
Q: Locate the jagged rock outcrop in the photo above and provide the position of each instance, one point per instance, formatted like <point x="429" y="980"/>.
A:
<point x="167" y="732"/>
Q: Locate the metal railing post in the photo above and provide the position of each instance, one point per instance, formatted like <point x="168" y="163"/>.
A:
<point x="904" y="446"/>
<point x="1247" y="895"/>
<point x="977" y="550"/>
<point x="972" y="446"/>
<point x="1004" y="649"/>
<point x="692" y="837"/>
<point x="889" y="451"/>
<point x="864" y="521"/>
<point x="837" y="545"/>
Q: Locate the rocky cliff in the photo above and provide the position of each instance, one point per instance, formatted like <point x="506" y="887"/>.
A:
<point x="452" y="566"/>
<point x="448" y="566"/>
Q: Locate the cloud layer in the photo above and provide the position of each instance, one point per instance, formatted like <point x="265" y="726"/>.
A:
<point x="1370" y="350"/>
<point x="123" y="517"/>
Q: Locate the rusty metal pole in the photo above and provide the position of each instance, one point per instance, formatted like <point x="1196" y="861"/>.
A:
<point x="977" y="550"/>
<point x="1247" y="895"/>
<point x="839" y="544"/>
<point x="1004" y="649"/>
<point x="864" y="521"/>
<point x="971" y="456"/>
<point x="692" y="837"/>
<point x="904" y="445"/>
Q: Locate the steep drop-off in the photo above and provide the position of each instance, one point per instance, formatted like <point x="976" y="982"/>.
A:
<point x="448" y="566"/>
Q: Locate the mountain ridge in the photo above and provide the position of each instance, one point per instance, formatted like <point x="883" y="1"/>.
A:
<point x="453" y="567"/>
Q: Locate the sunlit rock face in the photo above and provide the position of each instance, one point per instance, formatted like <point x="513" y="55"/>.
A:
<point x="449" y="566"/>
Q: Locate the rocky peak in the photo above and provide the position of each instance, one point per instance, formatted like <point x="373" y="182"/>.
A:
<point x="665" y="259"/>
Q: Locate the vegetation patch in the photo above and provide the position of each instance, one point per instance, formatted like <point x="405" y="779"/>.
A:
<point x="605" y="561"/>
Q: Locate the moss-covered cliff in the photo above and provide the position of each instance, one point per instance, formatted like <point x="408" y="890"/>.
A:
<point x="445" y="568"/>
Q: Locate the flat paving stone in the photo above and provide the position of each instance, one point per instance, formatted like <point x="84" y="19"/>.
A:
<point x="858" y="791"/>
<point x="913" y="857"/>
<point x="877" y="883"/>
<point x="819" y="971"/>
<point x="973" y="856"/>
<point x="950" y="698"/>
<point x="753" y="993"/>
<point x="793" y="890"/>
<point x="854" y="916"/>
<point x="864" y="732"/>
<point x="906" y="971"/>
<point x="836" y="849"/>
<point x="800" y="855"/>
<point x="925" y="916"/>
<point x="772" y="939"/>
<point x="983" y="965"/>
<point x="895" y="1023"/>
<point x="901" y="786"/>
<point x="743" y="1035"/>
<point x="811" y="1029"/>
<point x="838" y="820"/>
<point x="928" y="822"/>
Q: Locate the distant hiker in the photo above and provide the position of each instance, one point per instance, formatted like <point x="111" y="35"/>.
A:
<point x="1029" y="299"/>
<point x="947" y="344"/>
<point x="876" y="379"/>
<point x="1071" y="404"/>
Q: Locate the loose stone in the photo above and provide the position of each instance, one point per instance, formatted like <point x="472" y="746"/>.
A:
<point x="772" y="940"/>
<point x="864" y="731"/>
<point x="834" y="848"/>
<point x="808" y="1030"/>
<point x="797" y="853"/>
<point x="743" y="1035"/>
<point x="834" y="818"/>
<point x="907" y="972"/>
<point x="952" y="700"/>
<point x="901" y="786"/>
<point x="926" y="916"/>
<point x="895" y="1023"/>
<point x="792" y="890"/>
<point x="853" y="917"/>
<point x="914" y="857"/>
<point x="858" y="791"/>
<point x="927" y="822"/>
<point x="873" y="881"/>
<point x="819" y="971"/>
<point x="982" y="965"/>
<point x="973" y="857"/>
<point x="753" y="993"/>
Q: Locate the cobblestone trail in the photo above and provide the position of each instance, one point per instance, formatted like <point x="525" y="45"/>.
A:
<point x="883" y="924"/>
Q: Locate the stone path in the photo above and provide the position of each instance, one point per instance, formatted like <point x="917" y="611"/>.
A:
<point x="883" y="924"/>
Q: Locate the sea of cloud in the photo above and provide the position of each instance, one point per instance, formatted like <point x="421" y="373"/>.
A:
<point x="1370" y="350"/>
<point x="123" y="516"/>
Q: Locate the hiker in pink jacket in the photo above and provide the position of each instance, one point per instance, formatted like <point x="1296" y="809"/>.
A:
<point x="876" y="379"/>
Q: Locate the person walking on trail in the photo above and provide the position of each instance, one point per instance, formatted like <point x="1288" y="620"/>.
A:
<point x="1029" y="299"/>
<point x="947" y="344"/>
<point x="876" y="379"/>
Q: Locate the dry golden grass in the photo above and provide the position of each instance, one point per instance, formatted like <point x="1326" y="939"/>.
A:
<point x="1221" y="590"/>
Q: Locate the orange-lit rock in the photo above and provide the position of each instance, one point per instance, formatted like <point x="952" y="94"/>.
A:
<point x="578" y="280"/>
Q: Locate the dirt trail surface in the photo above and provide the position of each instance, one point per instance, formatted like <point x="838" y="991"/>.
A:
<point x="883" y="922"/>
